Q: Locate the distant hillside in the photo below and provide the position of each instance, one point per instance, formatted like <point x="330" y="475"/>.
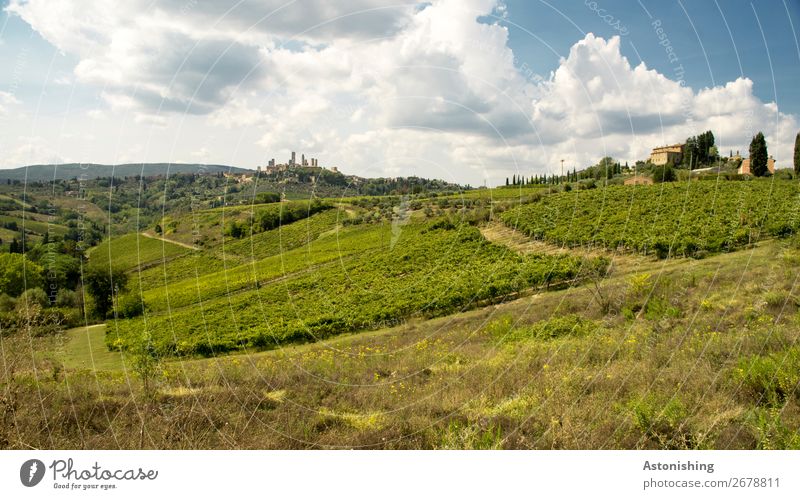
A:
<point x="43" y="173"/>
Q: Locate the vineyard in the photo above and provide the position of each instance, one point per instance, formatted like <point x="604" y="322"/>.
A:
<point x="685" y="219"/>
<point x="355" y="278"/>
<point x="132" y="251"/>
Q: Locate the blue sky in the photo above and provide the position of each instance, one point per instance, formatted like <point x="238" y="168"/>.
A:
<point x="470" y="90"/>
<point x="716" y="40"/>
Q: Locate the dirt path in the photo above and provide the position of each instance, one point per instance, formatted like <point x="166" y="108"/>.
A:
<point x="189" y="246"/>
<point x="499" y="233"/>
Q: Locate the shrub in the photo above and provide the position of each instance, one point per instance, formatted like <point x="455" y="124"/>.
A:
<point x="7" y="303"/>
<point x="662" y="422"/>
<point x="18" y="273"/>
<point x="664" y="173"/>
<point x="33" y="296"/>
<point x="770" y="431"/>
<point x="67" y="298"/>
<point x="130" y="305"/>
<point x="770" y="380"/>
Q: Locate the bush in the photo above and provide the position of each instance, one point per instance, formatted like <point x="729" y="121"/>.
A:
<point x="129" y="306"/>
<point x="664" y="173"/>
<point x="33" y="296"/>
<point x="770" y="380"/>
<point x="662" y="422"/>
<point x="67" y="298"/>
<point x="7" y="303"/>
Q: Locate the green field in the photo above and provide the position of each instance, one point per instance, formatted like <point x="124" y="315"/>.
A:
<point x="84" y="348"/>
<point x="33" y="225"/>
<point x="134" y="250"/>
<point x="685" y="219"/>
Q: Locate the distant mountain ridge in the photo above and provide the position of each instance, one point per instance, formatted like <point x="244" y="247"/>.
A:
<point x="44" y="173"/>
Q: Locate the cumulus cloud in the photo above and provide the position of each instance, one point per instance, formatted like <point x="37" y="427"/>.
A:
<point x="387" y="87"/>
<point x="7" y="100"/>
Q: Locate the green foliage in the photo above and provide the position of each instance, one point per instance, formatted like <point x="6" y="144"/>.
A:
<point x="664" y="173"/>
<point x="770" y="430"/>
<point x="758" y="156"/>
<point x="770" y="379"/>
<point x="67" y="298"/>
<point x="32" y="296"/>
<point x="129" y="305"/>
<point x="666" y="219"/>
<point x="267" y="197"/>
<point x="274" y="216"/>
<point x="662" y="422"/>
<point x="103" y="285"/>
<point x="700" y="150"/>
<point x="146" y="364"/>
<point x="17" y="274"/>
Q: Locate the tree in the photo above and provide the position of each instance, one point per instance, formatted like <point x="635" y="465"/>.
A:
<point x="758" y="156"/>
<point x="103" y="285"/>
<point x="17" y="274"/>
<point x="664" y="173"/>
<point x="797" y="154"/>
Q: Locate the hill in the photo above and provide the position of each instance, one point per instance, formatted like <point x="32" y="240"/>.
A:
<point x="45" y="173"/>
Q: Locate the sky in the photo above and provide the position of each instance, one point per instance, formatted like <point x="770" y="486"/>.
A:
<point x="470" y="91"/>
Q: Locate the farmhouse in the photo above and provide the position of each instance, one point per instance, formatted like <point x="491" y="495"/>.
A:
<point x="744" y="169"/>
<point x="667" y="154"/>
<point x="639" y="180"/>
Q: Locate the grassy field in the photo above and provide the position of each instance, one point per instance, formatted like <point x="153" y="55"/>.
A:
<point x="33" y="225"/>
<point x="132" y="251"/>
<point x="685" y="354"/>
<point x="85" y="348"/>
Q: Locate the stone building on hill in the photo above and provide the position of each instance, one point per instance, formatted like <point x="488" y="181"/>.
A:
<point x="667" y="154"/>
<point x="639" y="180"/>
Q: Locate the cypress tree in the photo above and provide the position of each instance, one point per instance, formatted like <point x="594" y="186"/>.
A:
<point x="758" y="156"/>
<point x="797" y="154"/>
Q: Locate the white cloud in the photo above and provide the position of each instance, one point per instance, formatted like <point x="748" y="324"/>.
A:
<point x="7" y="100"/>
<point x="31" y="150"/>
<point x="379" y="87"/>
